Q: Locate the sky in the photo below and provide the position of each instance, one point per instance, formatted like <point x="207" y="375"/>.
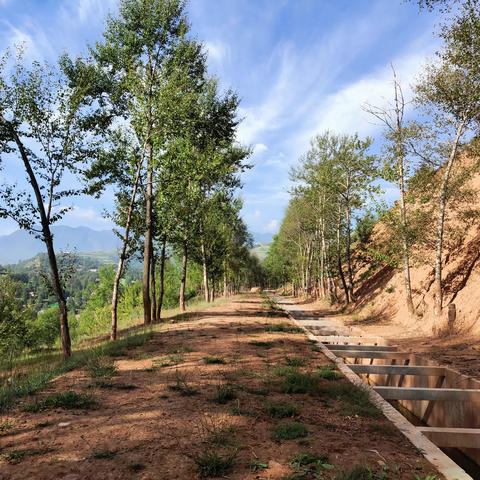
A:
<point x="300" y="67"/>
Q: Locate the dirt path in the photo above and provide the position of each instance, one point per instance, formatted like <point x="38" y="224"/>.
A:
<point x="203" y="392"/>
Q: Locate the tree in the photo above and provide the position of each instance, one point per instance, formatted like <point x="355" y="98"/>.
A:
<point x="137" y="45"/>
<point x="398" y="139"/>
<point x="42" y="123"/>
<point x="450" y="93"/>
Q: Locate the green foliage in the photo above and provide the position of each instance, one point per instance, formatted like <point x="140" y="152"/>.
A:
<point x="361" y="472"/>
<point x="300" y="382"/>
<point x="45" y="330"/>
<point x="214" y="360"/>
<point x="68" y="400"/>
<point x="354" y="400"/>
<point x="295" y="361"/>
<point x="289" y="431"/>
<point x="329" y="372"/>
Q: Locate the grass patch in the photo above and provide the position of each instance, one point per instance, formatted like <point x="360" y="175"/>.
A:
<point x="213" y="463"/>
<point x="300" y="382"/>
<point x="114" y="386"/>
<point x="217" y="432"/>
<point x="263" y="392"/>
<point x="16" y="456"/>
<point x="354" y="400"/>
<point x="169" y="360"/>
<point x="103" y="454"/>
<point x="289" y="431"/>
<point x="329" y="372"/>
<point x="212" y="360"/>
<point x="283" y="327"/>
<point x="224" y="393"/>
<point x="181" y="385"/>
<point x="101" y="366"/>
<point x="281" y="409"/>
<point x="37" y="379"/>
<point x="295" y="361"/>
<point x="136" y="467"/>
<point x="361" y="472"/>
<point x="262" y="344"/>
<point x="68" y="400"/>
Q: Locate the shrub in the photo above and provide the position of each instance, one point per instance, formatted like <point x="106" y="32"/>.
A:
<point x="290" y="431"/>
<point x="181" y="385"/>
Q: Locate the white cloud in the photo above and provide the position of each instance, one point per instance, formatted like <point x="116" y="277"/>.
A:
<point x="217" y="50"/>
<point x="82" y="12"/>
<point x="83" y="215"/>
<point x="259" y="148"/>
<point x="272" y="226"/>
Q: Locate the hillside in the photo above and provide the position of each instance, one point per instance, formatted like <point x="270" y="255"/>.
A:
<point x="19" y="245"/>
<point x="380" y="295"/>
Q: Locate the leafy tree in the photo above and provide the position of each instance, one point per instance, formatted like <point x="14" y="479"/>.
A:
<point x="449" y="91"/>
<point x="42" y="124"/>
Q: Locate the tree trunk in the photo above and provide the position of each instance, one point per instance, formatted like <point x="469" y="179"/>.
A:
<point x="148" y="244"/>
<point x="205" y="270"/>
<point x="183" y="280"/>
<point x="442" y="205"/>
<point x="339" y="260"/>
<point x="161" y="287"/>
<point x="153" y="283"/>
<point x="123" y="253"/>
<point x="348" y="256"/>
<point x="225" y="279"/>
<point x="52" y="258"/>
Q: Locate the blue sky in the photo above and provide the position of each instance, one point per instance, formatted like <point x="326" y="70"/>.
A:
<point x="299" y="66"/>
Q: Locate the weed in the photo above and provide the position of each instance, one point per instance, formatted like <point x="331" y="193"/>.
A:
<point x="428" y="477"/>
<point x="355" y="400"/>
<point x="212" y="463"/>
<point x="284" y="371"/>
<point x="281" y="409"/>
<point x="212" y="360"/>
<point x="181" y="385"/>
<point x="169" y="361"/>
<point x="290" y="431"/>
<point x="100" y="366"/>
<point x="295" y="361"/>
<point x="258" y="391"/>
<point x="283" y="327"/>
<point x="299" y="382"/>
<point x="329" y="372"/>
<point x="224" y="393"/>
<point x="361" y="472"/>
<point x="216" y="431"/>
<point x="307" y="465"/>
<point x="16" y="456"/>
<point x="68" y="400"/>
<point x="5" y="426"/>
<point x="256" y="465"/>
<point x="261" y="344"/>
<point x="103" y="454"/>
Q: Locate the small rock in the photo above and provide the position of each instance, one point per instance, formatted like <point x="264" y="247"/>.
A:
<point x="64" y="424"/>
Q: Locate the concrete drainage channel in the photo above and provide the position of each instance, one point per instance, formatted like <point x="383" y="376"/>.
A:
<point x="436" y="408"/>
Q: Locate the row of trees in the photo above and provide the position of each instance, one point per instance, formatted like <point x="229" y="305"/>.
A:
<point x="141" y="117"/>
<point x="337" y="179"/>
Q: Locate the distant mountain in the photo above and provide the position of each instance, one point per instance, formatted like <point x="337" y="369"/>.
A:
<point x="20" y="245"/>
<point x="262" y="238"/>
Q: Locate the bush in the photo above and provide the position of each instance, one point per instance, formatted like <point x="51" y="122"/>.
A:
<point x="281" y="409"/>
<point x="46" y="328"/>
